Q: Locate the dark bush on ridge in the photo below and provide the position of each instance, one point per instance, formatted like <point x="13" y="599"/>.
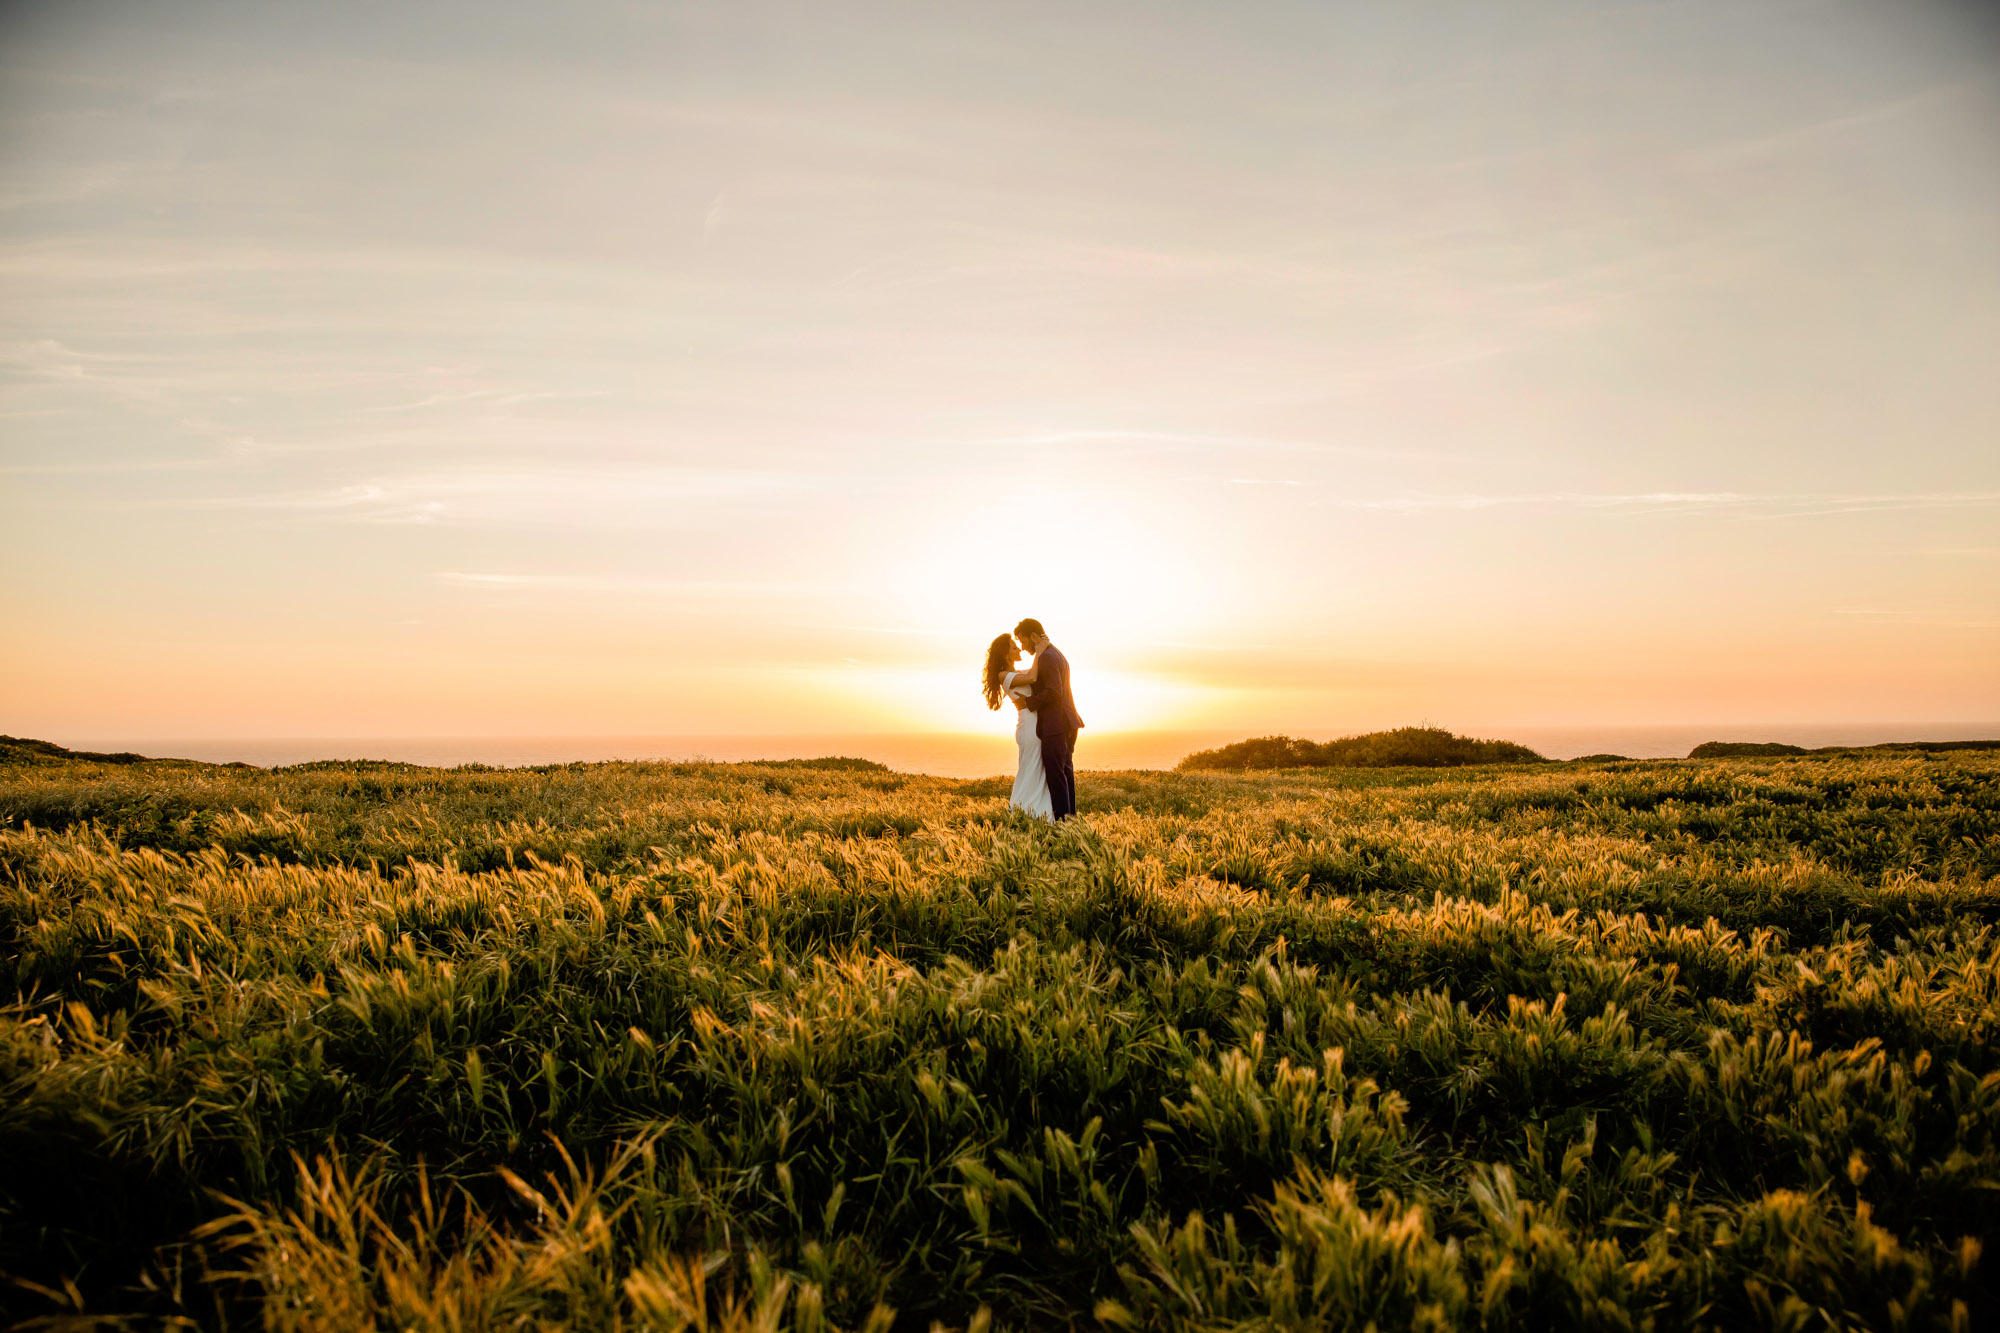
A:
<point x="1405" y="747"/>
<point x="1743" y="750"/>
<point x="1926" y="747"/>
<point x="831" y="764"/>
<point x="1772" y="749"/>
<point x="21" y="750"/>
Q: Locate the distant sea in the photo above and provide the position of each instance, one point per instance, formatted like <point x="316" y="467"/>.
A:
<point x="972" y="756"/>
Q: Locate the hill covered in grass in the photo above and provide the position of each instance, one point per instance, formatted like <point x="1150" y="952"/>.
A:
<point x="1405" y="747"/>
<point x="1703" y="1044"/>
<point x="21" y="750"/>
<point x="1774" y="749"/>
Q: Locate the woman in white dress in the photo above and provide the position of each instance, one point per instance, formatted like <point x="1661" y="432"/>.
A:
<point x="1031" y="787"/>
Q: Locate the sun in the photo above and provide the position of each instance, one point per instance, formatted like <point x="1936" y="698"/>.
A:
<point x="948" y="700"/>
<point x="1099" y="568"/>
<point x="1134" y="701"/>
<point x="1106" y="575"/>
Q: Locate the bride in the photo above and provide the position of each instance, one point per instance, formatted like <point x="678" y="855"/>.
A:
<point x="1031" y="785"/>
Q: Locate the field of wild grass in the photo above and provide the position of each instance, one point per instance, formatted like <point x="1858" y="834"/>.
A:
<point x="1695" y="1044"/>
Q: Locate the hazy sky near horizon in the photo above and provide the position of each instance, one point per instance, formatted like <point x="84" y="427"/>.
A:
<point x="616" y="368"/>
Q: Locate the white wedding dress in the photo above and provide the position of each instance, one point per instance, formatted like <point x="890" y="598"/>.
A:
<point x="1031" y="785"/>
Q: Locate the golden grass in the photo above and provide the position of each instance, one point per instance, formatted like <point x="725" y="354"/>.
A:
<point x="1670" y="1045"/>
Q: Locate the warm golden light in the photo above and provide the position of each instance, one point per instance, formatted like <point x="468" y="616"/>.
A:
<point x="1101" y="569"/>
<point x="949" y="701"/>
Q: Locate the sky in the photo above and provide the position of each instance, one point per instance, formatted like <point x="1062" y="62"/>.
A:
<point x="445" y="369"/>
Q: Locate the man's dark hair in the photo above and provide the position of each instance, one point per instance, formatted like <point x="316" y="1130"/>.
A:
<point x="1027" y="627"/>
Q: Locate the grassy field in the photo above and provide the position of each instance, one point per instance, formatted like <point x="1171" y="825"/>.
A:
<point x="1635" y="1045"/>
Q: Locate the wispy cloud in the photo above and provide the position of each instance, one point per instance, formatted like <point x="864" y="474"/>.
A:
<point x="111" y="467"/>
<point x="1790" y="136"/>
<point x="1805" y="505"/>
<point x="493" y="397"/>
<point x="904" y="631"/>
<point x="432" y="400"/>
<point x="1915" y="615"/>
<point x="1153" y="441"/>
<point x="536" y="497"/>
<point x="624" y="586"/>
<point x="52" y="359"/>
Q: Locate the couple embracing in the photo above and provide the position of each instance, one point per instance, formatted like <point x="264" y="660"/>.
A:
<point x="1045" y="778"/>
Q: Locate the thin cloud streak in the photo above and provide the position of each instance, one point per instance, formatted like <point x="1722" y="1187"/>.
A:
<point x="113" y="468"/>
<point x="1154" y="440"/>
<point x="530" y="498"/>
<point x="619" y="586"/>
<point x="492" y="397"/>
<point x="1769" y="506"/>
<point x="886" y="629"/>
<point x="1790" y="135"/>
<point x="1900" y="615"/>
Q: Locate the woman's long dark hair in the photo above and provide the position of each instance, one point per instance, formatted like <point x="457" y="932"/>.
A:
<point x="1000" y="656"/>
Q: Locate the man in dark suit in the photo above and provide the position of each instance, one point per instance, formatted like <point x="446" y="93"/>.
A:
<point x="1056" y="718"/>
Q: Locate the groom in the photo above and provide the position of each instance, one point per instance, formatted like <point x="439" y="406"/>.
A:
<point x="1056" y="718"/>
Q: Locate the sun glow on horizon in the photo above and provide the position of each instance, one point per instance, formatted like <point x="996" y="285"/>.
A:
<point x="1101" y="563"/>
<point x="950" y="701"/>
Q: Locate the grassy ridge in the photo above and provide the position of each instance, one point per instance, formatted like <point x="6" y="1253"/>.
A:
<point x="1774" y="749"/>
<point x="1404" y="747"/>
<point x="349" y="1045"/>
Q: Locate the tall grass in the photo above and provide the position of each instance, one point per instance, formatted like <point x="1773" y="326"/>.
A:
<point x="1691" y="1045"/>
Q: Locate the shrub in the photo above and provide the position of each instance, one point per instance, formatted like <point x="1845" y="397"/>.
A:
<point x="1405" y="747"/>
<point x="1743" y="750"/>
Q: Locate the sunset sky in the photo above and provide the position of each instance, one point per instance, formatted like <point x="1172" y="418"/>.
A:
<point x="467" y="369"/>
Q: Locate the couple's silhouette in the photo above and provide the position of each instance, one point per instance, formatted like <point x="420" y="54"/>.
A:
<point x="1045" y="776"/>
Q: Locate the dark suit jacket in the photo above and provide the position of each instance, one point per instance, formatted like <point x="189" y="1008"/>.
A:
<point x="1055" y="711"/>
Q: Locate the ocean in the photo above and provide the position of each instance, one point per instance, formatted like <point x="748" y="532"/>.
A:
<point x="971" y="756"/>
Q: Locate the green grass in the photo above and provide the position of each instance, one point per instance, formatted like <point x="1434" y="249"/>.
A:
<point x="1694" y="1044"/>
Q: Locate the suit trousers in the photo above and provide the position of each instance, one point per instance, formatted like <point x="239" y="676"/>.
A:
<point x="1059" y="767"/>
